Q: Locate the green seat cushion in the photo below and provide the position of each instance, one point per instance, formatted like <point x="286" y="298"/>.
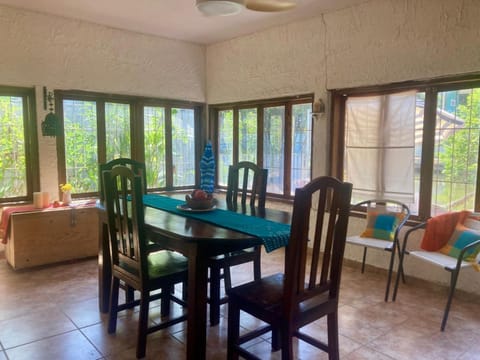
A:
<point x="166" y="262"/>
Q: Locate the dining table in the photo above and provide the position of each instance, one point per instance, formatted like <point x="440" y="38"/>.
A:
<point x="198" y="236"/>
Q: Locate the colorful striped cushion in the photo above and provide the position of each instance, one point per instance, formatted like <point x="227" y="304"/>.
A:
<point x="461" y="237"/>
<point x="382" y="225"/>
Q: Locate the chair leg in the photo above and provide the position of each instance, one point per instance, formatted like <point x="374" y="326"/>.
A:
<point x="364" y="258"/>
<point x="184" y="290"/>
<point x="233" y="332"/>
<point x="257" y="272"/>
<point x="399" y="273"/>
<point x="142" y="325"/>
<point x="400" y="259"/>
<point x="390" y="270"/>
<point x="227" y="277"/>
<point x="129" y="294"/>
<point x="165" y="300"/>
<point x="453" y="284"/>
<point x="112" y="316"/>
<point x="214" y="296"/>
<point x="276" y="339"/>
<point x="333" y="345"/>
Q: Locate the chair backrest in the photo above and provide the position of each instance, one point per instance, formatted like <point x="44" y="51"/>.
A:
<point x="386" y="205"/>
<point x="125" y="211"/>
<point x="319" y="221"/>
<point x="247" y="181"/>
<point x="137" y="167"/>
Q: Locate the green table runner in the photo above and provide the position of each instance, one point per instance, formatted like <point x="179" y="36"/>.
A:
<point x="274" y="235"/>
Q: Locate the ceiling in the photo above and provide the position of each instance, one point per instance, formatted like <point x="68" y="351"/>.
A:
<point x="176" y="19"/>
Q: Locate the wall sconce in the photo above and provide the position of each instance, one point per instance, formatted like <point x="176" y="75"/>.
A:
<point x="318" y="109"/>
<point x="50" y="124"/>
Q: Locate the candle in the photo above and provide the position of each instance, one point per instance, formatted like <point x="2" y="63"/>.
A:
<point x="38" y="200"/>
<point x="45" y="199"/>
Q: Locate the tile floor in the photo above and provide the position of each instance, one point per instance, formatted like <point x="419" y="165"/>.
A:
<point x="52" y="313"/>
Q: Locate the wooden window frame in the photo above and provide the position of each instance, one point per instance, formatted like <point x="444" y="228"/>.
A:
<point x="31" y="142"/>
<point x="260" y="105"/>
<point x="431" y="87"/>
<point x="137" y="148"/>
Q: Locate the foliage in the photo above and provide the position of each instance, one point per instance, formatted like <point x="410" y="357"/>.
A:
<point x="12" y="148"/>
<point x="459" y="151"/>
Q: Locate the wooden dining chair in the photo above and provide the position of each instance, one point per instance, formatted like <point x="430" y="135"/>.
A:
<point x="132" y="263"/>
<point x="247" y="189"/>
<point x="309" y="287"/>
<point x="139" y="169"/>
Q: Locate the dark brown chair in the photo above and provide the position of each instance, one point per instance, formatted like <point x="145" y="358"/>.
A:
<point x="132" y="263"/>
<point x="247" y="182"/>
<point x="309" y="288"/>
<point x="137" y="167"/>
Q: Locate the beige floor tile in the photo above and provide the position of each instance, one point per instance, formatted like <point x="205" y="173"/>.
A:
<point x="52" y="313"/>
<point x="72" y="346"/>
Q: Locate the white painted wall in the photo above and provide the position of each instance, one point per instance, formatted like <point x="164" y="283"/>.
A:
<point x="377" y="42"/>
<point x="40" y="50"/>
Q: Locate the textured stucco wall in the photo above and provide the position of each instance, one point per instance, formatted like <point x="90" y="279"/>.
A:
<point x="377" y="42"/>
<point x="385" y="41"/>
<point x="41" y="50"/>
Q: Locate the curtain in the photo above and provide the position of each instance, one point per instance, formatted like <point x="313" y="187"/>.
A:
<point x="380" y="146"/>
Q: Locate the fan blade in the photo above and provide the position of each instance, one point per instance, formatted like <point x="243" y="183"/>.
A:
<point x="270" y="5"/>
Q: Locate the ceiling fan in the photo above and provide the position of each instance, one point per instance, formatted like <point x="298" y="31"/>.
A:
<point x="231" y="7"/>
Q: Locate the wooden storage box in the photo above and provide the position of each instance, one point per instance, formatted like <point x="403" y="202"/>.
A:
<point x="50" y="236"/>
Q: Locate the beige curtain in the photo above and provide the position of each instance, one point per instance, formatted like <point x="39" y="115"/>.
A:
<point x="380" y="146"/>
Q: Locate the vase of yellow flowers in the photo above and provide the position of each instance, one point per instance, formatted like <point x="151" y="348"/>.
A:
<point x="66" y="193"/>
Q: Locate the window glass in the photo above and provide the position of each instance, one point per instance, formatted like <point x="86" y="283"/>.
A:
<point x="247" y="135"/>
<point x="225" y="146"/>
<point x="301" y="145"/>
<point x="13" y="171"/>
<point x="183" y="147"/>
<point x="154" y="131"/>
<point x="117" y="130"/>
<point x="273" y="147"/>
<point x="456" y="151"/>
<point x="80" y="127"/>
<point x="446" y="135"/>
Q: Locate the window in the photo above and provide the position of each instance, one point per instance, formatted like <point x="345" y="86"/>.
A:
<point x="99" y="128"/>
<point x="18" y="145"/>
<point x="438" y="172"/>
<point x="275" y="134"/>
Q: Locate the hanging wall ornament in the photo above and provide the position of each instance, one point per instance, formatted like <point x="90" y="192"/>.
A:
<point x="50" y="124"/>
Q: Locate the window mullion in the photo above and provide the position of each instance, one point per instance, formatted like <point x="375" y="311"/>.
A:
<point x="287" y="166"/>
<point x="168" y="150"/>
<point x="260" y="134"/>
<point x="428" y="153"/>
<point x="236" y="141"/>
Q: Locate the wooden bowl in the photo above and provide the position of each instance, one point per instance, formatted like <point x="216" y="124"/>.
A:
<point x="203" y="204"/>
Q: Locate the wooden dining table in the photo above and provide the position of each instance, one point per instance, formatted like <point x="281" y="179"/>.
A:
<point x="197" y="240"/>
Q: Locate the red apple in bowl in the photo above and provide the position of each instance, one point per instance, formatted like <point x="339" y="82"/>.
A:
<point x="199" y="200"/>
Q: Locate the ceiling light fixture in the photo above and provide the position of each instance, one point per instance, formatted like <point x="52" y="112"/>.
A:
<point x="219" y="7"/>
<point x="270" y="5"/>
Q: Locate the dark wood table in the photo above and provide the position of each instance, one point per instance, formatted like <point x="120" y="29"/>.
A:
<point x="198" y="241"/>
